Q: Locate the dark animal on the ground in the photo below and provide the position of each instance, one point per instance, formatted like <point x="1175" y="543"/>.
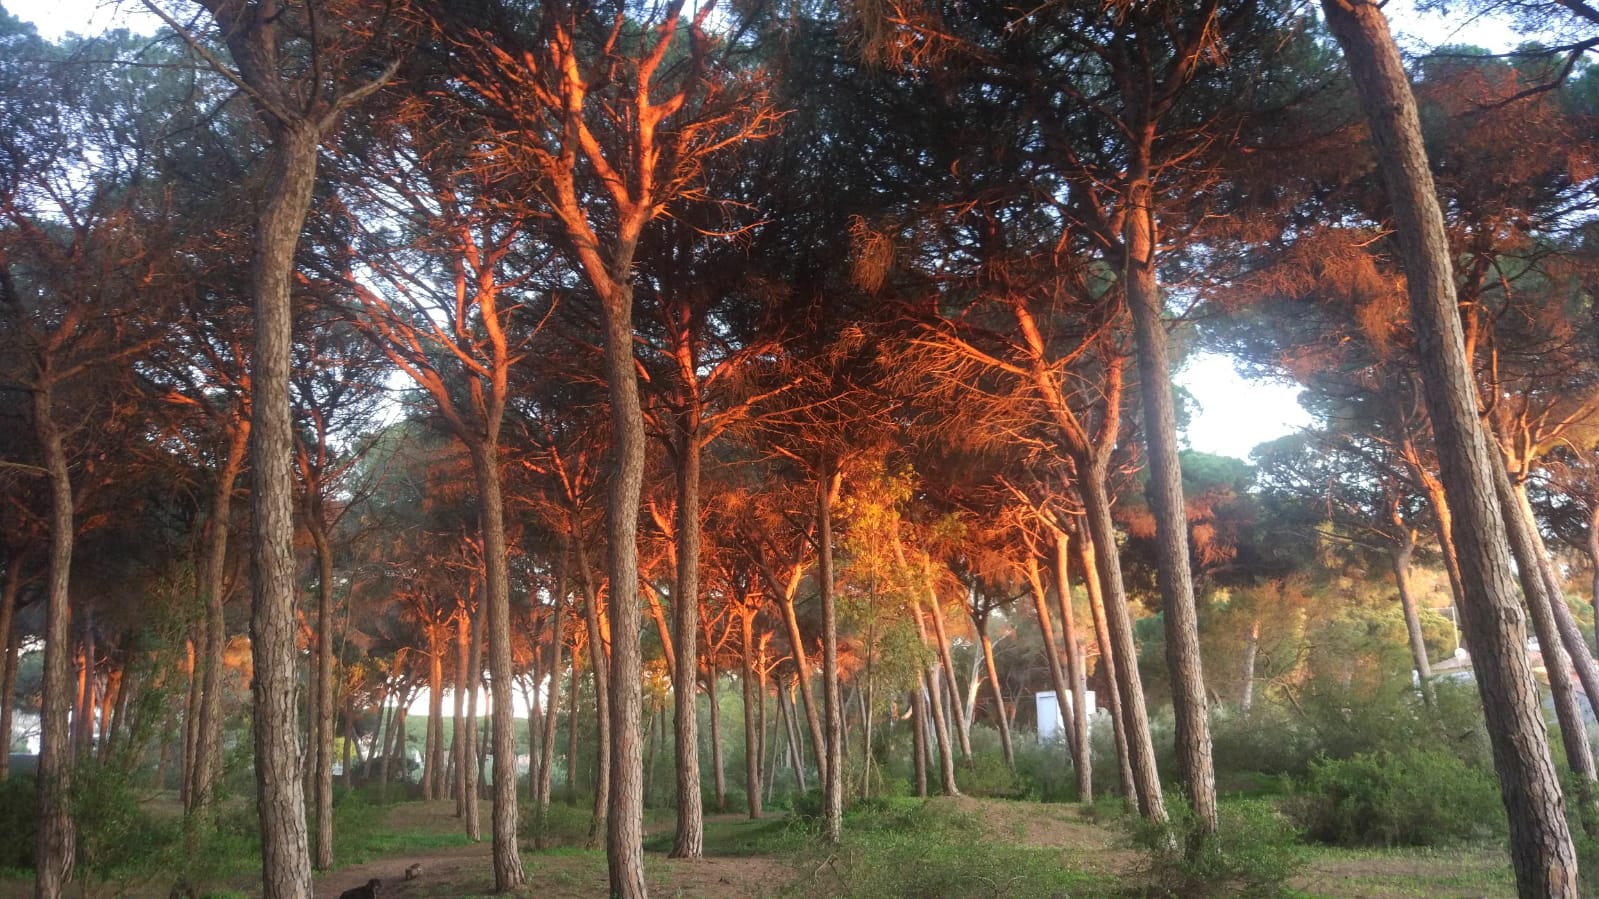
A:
<point x="414" y="871"/>
<point x="370" y="891"/>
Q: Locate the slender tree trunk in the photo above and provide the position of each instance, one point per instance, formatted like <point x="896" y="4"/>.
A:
<point x="191" y="721"/>
<point x="833" y="784"/>
<point x="1399" y="556"/>
<point x="1140" y="750"/>
<point x="753" y="736"/>
<point x="802" y="666"/>
<point x="919" y="739"/>
<point x="571" y="731"/>
<point x="1107" y="662"/>
<point x="108" y="702"/>
<point x="433" y="760"/>
<point x="1570" y="635"/>
<point x="602" y="674"/>
<point x="928" y="683"/>
<point x="208" y="749"/>
<point x="956" y="710"/>
<point x="460" y="731"/>
<point x="690" y="839"/>
<point x="325" y="690"/>
<point x="508" y="871"/>
<point x="56" y="837"/>
<point x="82" y="700"/>
<point x="796" y="747"/>
<point x="1541" y="848"/>
<point x="541" y="795"/>
<point x="475" y="747"/>
<point x="285" y="861"/>
<point x="1057" y="678"/>
<point x="1082" y="744"/>
<point x="1246" y="699"/>
<point x="1593" y="564"/>
<point x="1000" y="718"/>
<point x="12" y="635"/>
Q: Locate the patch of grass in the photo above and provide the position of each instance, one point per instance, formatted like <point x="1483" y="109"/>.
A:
<point x="363" y="831"/>
<point x="740" y="839"/>
<point x="1333" y="871"/>
<point x="911" y="848"/>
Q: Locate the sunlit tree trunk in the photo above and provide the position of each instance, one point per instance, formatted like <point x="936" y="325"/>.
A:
<point x="927" y="682"/>
<point x="1246" y="697"/>
<point x="1399" y="557"/>
<point x="1540" y="841"/>
<point x="459" y="731"/>
<point x="802" y="665"/>
<point x="470" y="772"/>
<point x="433" y="759"/>
<point x="956" y="710"/>
<point x="833" y="783"/>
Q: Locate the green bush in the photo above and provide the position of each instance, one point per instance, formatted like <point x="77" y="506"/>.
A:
<point x="19" y="822"/>
<point x="118" y="841"/>
<point x="1413" y="798"/>
<point x="557" y="824"/>
<point x="1254" y="854"/>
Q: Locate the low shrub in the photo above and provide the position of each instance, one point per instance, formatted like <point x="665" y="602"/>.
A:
<point x="1254" y="854"/>
<point x="1419" y="797"/>
<point x="19" y="822"/>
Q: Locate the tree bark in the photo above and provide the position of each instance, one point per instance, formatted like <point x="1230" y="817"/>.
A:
<point x="1246" y="698"/>
<point x="57" y="838"/>
<point x="325" y="690"/>
<point x="690" y="839"/>
<point x="433" y="752"/>
<point x="802" y="665"/>
<point x="602" y="674"/>
<point x="833" y="783"/>
<point x="11" y="639"/>
<point x="285" y="861"/>
<point x="1107" y="662"/>
<point x="1002" y="720"/>
<point x="1541" y="847"/>
<point x="508" y="872"/>
<point x="472" y="773"/>
<point x="752" y="737"/>
<point x="927" y="682"/>
<point x="719" y="771"/>
<point x="541" y="796"/>
<point x="956" y="710"/>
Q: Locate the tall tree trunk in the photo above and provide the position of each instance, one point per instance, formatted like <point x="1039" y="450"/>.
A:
<point x="191" y="721"/>
<point x="571" y="730"/>
<point x="713" y="678"/>
<point x="833" y="784"/>
<point x="1593" y="565"/>
<point x="919" y="739"/>
<point x="1540" y="841"/>
<point x="1000" y="718"/>
<point x="1570" y="635"/>
<point x="753" y="737"/>
<point x="690" y="839"/>
<point x="325" y="692"/>
<point x="508" y="871"/>
<point x="207" y="766"/>
<point x="796" y="747"/>
<point x="1081" y="745"/>
<point x="1165" y="495"/>
<point x="285" y="861"/>
<point x="109" y="701"/>
<point x="1057" y="677"/>
<point x="1140" y="750"/>
<point x="83" y="696"/>
<point x="56" y="837"/>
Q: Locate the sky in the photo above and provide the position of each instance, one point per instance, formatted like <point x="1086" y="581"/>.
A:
<point x="1233" y="414"/>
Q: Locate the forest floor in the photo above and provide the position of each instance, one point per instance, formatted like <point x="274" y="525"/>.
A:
<point x="735" y="865"/>
<point x="963" y="847"/>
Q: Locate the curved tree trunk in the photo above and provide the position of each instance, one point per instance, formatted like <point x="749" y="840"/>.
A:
<point x="1540" y="841"/>
<point x="927" y="682"/>
<point x="956" y="710"/>
<point x="980" y="621"/>
<point x="56" y="836"/>
<point x="690" y="839"/>
<point x="802" y="665"/>
<point x="1107" y="662"/>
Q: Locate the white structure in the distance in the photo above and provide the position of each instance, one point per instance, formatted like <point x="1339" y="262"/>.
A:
<point x="1049" y="724"/>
